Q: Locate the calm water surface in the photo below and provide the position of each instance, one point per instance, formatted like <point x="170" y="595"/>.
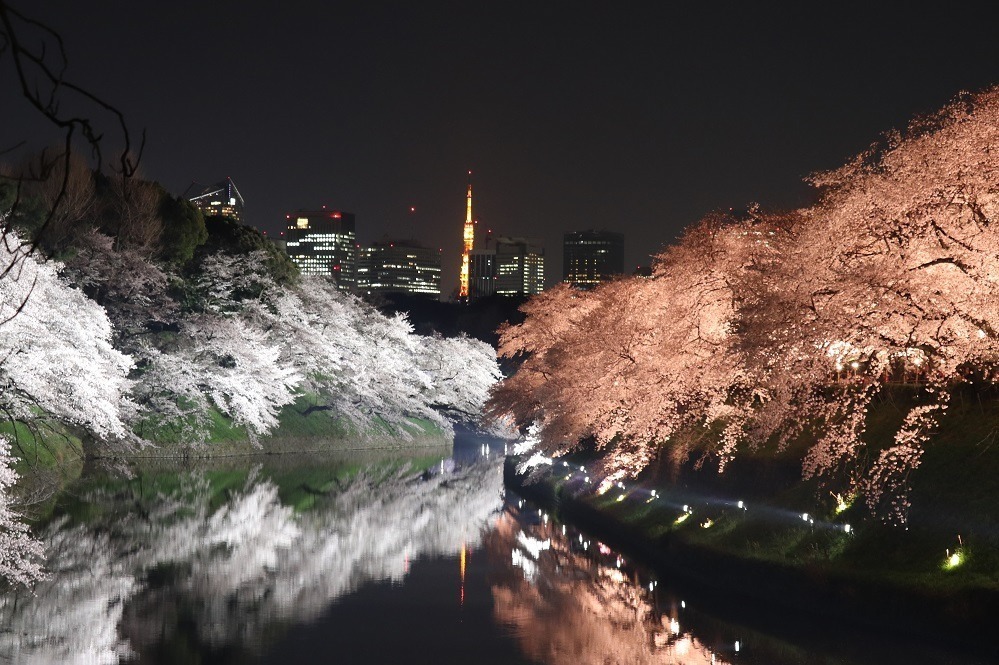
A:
<point x="374" y="559"/>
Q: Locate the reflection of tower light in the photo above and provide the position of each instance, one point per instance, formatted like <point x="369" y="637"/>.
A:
<point x="462" y="566"/>
<point x="468" y="238"/>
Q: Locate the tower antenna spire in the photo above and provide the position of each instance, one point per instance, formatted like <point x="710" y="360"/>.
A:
<point x="468" y="237"/>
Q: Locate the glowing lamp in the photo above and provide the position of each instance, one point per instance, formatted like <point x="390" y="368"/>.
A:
<point x="954" y="559"/>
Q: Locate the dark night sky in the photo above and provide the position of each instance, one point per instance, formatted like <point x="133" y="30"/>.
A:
<point x="571" y="115"/>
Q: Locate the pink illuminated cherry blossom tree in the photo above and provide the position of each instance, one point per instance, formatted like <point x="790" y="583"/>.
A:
<point x="758" y="328"/>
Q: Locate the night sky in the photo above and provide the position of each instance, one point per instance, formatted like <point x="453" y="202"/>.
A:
<point x="571" y="115"/>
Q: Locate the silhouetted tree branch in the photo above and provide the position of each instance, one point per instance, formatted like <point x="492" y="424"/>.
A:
<point x="38" y="57"/>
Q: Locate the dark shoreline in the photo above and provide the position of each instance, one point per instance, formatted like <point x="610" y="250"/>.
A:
<point x="963" y="619"/>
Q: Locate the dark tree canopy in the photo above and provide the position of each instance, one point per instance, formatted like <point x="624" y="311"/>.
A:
<point x="184" y="229"/>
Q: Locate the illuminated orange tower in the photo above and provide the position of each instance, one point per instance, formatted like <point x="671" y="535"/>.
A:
<point x="469" y="238"/>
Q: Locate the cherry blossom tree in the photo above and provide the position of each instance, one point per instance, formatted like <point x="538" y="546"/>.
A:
<point x="641" y="363"/>
<point x="890" y="275"/>
<point x="756" y="330"/>
<point x="55" y="350"/>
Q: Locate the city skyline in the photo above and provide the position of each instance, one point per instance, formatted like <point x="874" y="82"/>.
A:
<point x="570" y="117"/>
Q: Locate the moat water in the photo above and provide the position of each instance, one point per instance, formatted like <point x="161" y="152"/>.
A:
<point x="375" y="558"/>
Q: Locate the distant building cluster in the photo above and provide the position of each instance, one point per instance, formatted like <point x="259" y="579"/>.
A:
<point x="502" y="266"/>
<point x="324" y="242"/>
<point x="508" y="267"/>
<point x="402" y="266"/>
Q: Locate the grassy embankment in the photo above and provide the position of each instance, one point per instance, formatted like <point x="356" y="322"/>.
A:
<point x="299" y="430"/>
<point x="302" y="481"/>
<point x="873" y="572"/>
<point x="49" y="455"/>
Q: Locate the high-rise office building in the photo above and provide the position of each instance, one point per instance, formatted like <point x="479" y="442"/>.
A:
<point x="221" y="199"/>
<point x="324" y="242"/>
<point x="591" y="257"/>
<point x="399" y="266"/>
<point x="508" y="267"/>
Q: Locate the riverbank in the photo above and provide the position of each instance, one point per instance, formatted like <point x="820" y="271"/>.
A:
<point x="817" y="565"/>
<point x="50" y="455"/>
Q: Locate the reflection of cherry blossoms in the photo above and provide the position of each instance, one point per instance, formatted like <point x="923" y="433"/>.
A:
<point x="127" y="577"/>
<point x="74" y="616"/>
<point x="567" y="608"/>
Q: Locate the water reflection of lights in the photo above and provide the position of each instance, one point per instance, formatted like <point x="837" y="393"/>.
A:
<point x="529" y="567"/>
<point x="533" y="546"/>
<point x="574" y="599"/>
